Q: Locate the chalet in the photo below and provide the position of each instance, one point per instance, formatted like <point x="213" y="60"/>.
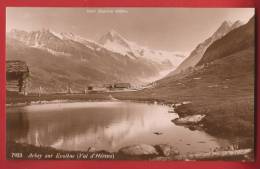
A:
<point x="122" y="85"/>
<point x="17" y="73"/>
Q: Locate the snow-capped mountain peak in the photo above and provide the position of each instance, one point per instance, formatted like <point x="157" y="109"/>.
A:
<point x="111" y="41"/>
<point x="114" y="34"/>
<point x="114" y="41"/>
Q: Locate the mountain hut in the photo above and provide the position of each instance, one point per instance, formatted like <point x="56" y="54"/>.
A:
<point x="17" y="73"/>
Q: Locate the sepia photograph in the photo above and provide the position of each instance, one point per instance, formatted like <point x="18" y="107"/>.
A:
<point x="161" y="84"/>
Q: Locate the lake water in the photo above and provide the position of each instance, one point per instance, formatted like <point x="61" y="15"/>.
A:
<point x="103" y="125"/>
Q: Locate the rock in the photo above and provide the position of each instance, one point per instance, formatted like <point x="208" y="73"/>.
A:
<point x="162" y="158"/>
<point x="158" y="133"/>
<point x="171" y="110"/>
<point x="178" y="104"/>
<point x="218" y="154"/>
<point x="166" y="150"/>
<point x="138" y="150"/>
<point x="192" y="127"/>
<point x="186" y="102"/>
<point x="193" y="119"/>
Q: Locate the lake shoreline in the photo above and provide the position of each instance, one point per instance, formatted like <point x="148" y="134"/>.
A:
<point x="217" y="127"/>
<point x="31" y="152"/>
<point x="183" y="110"/>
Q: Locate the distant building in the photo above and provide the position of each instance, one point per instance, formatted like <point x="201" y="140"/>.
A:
<point x="17" y="73"/>
<point x="108" y="86"/>
<point x="90" y="87"/>
<point x="122" y="85"/>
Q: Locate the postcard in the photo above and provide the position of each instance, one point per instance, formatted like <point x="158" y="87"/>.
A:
<point x="121" y="83"/>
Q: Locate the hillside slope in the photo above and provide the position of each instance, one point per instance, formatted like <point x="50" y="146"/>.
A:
<point x="221" y="86"/>
<point x="199" y="51"/>
<point x="237" y="40"/>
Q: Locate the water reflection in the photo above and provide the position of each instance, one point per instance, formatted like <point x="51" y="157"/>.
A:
<point x="103" y="125"/>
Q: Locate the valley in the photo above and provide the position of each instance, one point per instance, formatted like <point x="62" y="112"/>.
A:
<point x="215" y="82"/>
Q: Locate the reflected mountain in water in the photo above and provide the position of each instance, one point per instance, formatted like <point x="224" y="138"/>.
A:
<point x="103" y="125"/>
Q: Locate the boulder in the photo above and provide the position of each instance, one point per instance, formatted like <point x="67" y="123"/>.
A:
<point x="138" y="150"/>
<point x="186" y="102"/>
<point x="193" y="119"/>
<point x="166" y="150"/>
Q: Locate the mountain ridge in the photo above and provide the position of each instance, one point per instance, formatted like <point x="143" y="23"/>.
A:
<point x="116" y="42"/>
<point x="242" y="39"/>
<point x="200" y="49"/>
<point x="97" y="63"/>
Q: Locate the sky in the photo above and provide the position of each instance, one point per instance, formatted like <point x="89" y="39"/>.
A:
<point x="171" y="29"/>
